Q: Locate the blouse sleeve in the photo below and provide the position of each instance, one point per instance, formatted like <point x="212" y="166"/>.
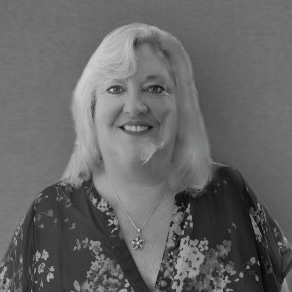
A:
<point x="274" y="250"/>
<point x="15" y="268"/>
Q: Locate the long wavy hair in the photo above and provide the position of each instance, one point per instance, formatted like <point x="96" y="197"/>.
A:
<point x="115" y="57"/>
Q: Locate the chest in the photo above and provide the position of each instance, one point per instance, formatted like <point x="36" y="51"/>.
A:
<point x="154" y="234"/>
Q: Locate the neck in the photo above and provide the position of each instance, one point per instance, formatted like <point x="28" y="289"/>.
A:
<point x="139" y="191"/>
<point x="127" y="172"/>
<point x="135" y="185"/>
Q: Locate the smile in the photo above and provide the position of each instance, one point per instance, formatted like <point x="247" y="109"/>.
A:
<point x="135" y="128"/>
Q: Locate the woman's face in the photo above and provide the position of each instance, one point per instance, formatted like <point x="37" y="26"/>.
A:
<point x="136" y="118"/>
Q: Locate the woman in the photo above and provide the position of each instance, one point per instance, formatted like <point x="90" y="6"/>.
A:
<point x="141" y="207"/>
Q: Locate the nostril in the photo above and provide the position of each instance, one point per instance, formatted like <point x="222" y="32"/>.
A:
<point x="135" y="109"/>
<point x="143" y="108"/>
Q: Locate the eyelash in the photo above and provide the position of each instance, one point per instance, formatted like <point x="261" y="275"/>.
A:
<point x="115" y="87"/>
<point x="161" y="91"/>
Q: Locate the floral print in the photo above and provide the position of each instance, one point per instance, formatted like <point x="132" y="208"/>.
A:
<point x="221" y="240"/>
<point x="43" y="272"/>
<point x="104" y="274"/>
<point x="103" y="206"/>
<point x="200" y="268"/>
<point x="13" y="256"/>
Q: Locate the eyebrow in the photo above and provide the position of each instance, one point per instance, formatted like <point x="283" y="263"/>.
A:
<point x="157" y="78"/>
<point x="153" y="77"/>
<point x="116" y="80"/>
<point x="161" y="78"/>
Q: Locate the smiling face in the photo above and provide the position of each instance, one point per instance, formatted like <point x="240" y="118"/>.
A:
<point x="136" y="118"/>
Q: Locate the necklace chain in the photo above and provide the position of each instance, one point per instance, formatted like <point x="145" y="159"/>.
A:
<point x="138" y="242"/>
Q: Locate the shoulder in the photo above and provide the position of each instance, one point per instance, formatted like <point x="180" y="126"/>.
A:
<point x="221" y="172"/>
<point x="56" y="207"/>
<point x="55" y="199"/>
<point x="225" y="176"/>
<point x="55" y="194"/>
<point x="227" y="184"/>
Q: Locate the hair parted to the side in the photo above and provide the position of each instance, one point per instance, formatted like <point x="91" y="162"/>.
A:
<point x="115" y="57"/>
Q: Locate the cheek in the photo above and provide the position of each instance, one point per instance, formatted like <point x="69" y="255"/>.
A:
<point x="106" y="113"/>
<point x="167" y="112"/>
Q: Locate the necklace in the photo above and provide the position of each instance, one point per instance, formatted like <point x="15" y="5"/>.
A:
<point x="138" y="242"/>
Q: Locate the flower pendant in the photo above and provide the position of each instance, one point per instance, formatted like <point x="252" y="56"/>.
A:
<point x="138" y="243"/>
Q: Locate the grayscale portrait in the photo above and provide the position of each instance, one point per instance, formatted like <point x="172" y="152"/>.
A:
<point x="145" y="146"/>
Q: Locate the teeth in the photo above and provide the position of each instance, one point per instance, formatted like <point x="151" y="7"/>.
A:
<point x="136" y="129"/>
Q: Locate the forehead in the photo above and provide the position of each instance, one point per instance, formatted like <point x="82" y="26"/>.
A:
<point x="151" y="63"/>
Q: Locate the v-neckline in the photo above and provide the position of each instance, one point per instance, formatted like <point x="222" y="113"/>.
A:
<point x="120" y="248"/>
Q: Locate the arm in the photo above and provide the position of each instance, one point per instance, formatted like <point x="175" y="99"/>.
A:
<point x="14" y="269"/>
<point x="285" y="287"/>
<point x="277" y="250"/>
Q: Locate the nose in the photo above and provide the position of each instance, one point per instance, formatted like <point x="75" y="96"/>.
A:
<point x="134" y="104"/>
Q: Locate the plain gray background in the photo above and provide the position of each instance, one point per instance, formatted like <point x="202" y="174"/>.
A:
<point x="241" y="53"/>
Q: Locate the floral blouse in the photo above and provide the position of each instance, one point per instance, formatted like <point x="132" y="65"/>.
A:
<point x="224" y="239"/>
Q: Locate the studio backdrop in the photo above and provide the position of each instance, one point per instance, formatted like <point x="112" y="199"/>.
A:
<point x="242" y="57"/>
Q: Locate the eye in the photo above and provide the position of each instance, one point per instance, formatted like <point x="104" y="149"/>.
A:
<point x="115" y="89"/>
<point x="155" y="89"/>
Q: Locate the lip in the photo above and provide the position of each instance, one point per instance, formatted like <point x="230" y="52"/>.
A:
<point x="136" y="123"/>
<point x="135" y="133"/>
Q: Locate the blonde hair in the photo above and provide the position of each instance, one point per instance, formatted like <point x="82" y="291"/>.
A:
<point x="115" y="57"/>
